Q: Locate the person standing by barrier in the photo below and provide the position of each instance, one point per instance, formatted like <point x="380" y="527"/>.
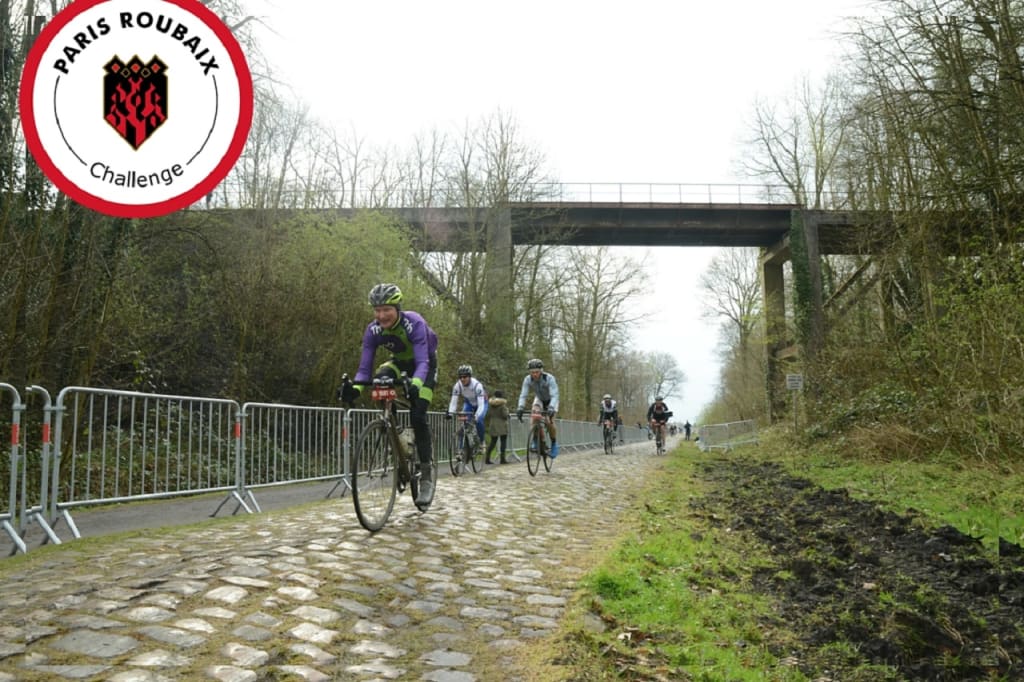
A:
<point x="545" y="391"/>
<point x="496" y="424"/>
<point x="413" y="346"/>
<point x="686" y="429"/>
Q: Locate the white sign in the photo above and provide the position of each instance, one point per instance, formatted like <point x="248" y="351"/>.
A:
<point x="795" y="382"/>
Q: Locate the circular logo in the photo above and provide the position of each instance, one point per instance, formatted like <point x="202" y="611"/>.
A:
<point x="136" y="108"/>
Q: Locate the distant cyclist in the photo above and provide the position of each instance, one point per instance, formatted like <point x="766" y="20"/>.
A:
<point x="474" y="399"/>
<point x="413" y="346"/>
<point x="545" y="391"/>
<point x="658" y="415"/>
<point x="609" y="409"/>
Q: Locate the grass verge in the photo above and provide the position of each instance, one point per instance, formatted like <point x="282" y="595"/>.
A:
<point x="671" y="601"/>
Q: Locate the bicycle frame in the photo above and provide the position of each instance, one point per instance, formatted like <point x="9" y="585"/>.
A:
<point x="384" y="466"/>
<point x="609" y="436"/>
<point x="537" y="442"/>
<point x="659" y="429"/>
<point x="466" y="443"/>
<point x="387" y="398"/>
<point x="467" y="428"/>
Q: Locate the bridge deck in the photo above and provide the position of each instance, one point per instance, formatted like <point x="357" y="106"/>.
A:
<point x="637" y="224"/>
<point x="616" y="224"/>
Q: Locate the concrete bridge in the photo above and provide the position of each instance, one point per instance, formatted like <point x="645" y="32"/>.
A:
<point x="640" y="221"/>
<point x="765" y="226"/>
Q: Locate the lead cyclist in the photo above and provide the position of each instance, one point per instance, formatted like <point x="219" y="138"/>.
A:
<point x="658" y="415"/>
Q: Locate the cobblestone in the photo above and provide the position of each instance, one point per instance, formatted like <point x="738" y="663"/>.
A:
<point x="307" y="594"/>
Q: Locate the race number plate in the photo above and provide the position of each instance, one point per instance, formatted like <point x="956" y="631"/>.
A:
<point x="384" y="394"/>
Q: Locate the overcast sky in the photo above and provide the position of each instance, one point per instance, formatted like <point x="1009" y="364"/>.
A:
<point x="646" y="91"/>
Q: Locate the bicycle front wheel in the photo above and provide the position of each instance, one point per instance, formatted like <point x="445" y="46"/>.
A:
<point x="457" y="460"/>
<point x="374" y="476"/>
<point x="534" y="445"/>
<point x="609" y="443"/>
<point x="473" y="456"/>
<point x="545" y="453"/>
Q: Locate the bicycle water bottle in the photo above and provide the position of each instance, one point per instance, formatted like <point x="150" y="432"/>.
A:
<point x="408" y="439"/>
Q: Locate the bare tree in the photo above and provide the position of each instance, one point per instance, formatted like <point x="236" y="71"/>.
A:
<point x="592" y="294"/>
<point x="798" y="143"/>
<point x="731" y="288"/>
<point x="665" y="375"/>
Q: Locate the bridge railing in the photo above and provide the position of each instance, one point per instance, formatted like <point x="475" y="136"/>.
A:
<point x="227" y="196"/>
<point x="662" y="193"/>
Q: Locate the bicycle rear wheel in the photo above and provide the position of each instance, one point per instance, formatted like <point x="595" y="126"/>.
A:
<point x="533" y="448"/>
<point x="374" y="476"/>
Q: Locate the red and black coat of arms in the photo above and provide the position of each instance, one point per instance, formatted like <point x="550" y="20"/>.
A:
<point x="135" y="97"/>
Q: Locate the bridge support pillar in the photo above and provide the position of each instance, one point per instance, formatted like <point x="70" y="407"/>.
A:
<point x="809" y="295"/>
<point x="774" y="296"/>
<point x="500" y="304"/>
<point x="802" y="247"/>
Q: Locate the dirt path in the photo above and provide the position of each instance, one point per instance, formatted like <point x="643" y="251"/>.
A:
<point x="933" y="603"/>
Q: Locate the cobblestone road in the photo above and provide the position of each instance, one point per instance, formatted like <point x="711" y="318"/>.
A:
<point x="306" y="594"/>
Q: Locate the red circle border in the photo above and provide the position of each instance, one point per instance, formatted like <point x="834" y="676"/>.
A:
<point x="183" y="200"/>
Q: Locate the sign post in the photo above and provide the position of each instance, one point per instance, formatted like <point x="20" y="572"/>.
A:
<point x="795" y="383"/>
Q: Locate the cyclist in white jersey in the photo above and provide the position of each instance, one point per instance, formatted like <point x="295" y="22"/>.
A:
<point x="474" y="398"/>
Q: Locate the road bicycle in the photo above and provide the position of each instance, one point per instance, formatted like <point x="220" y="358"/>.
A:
<point x="537" y="447"/>
<point x="466" y="453"/>
<point x="659" y="437"/>
<point x="609" y="437"/>
<point x="385" y="464"/>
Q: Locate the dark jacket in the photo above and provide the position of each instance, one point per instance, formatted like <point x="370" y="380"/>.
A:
<point x="496" y="419"/>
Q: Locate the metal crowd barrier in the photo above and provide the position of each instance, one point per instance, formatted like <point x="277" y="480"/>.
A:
<point x="285" y="444"/>
<point x="115" y="446"/>
<point x="12" y="517"/>
<point x="112" y="446"/>
<point x="572" y="435"/>
<point x="727" y="436"/>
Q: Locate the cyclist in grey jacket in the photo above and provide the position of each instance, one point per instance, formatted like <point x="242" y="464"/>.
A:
<point x="545" y="391"/>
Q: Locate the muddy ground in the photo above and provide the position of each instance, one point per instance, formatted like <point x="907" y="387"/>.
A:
<point x="932" y="603"/>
